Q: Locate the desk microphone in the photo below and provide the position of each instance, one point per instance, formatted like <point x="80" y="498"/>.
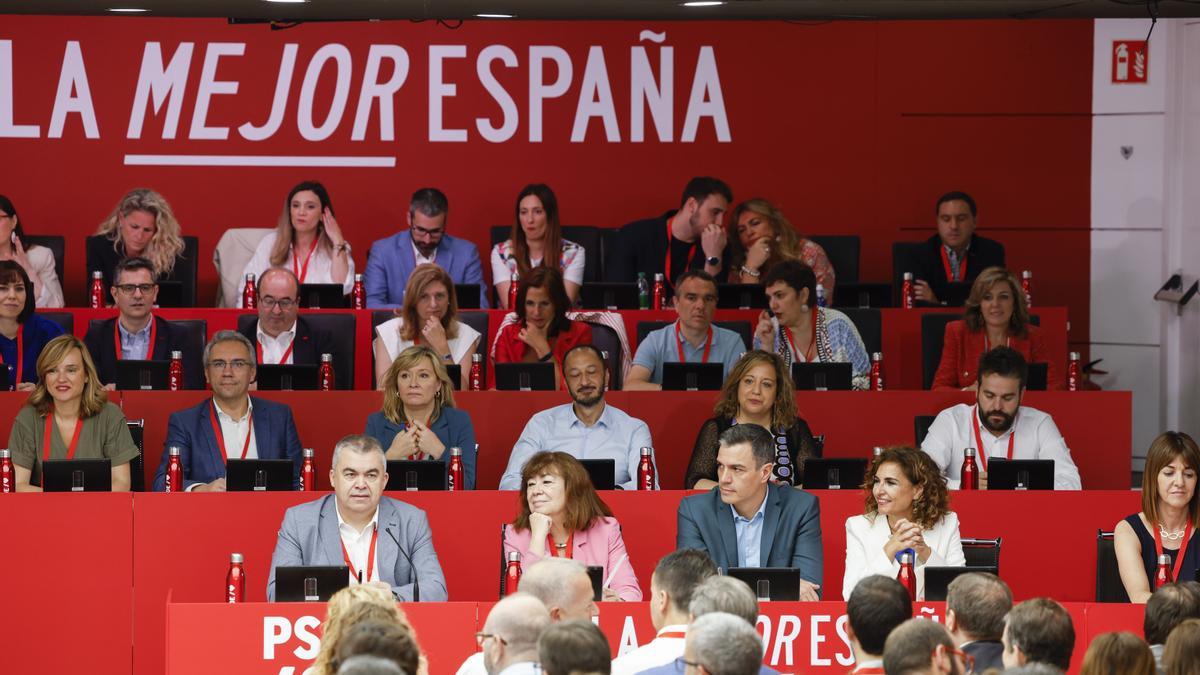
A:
<point x="416" y="581"/>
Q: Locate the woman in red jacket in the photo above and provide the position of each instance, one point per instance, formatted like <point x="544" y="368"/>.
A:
<point x="542" y="331"/>
<point x="996" y="316"/>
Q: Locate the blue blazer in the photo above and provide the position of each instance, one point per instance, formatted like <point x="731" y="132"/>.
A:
<point x="452" y="427"/>
<point x="391" y="261"/>
<point x="191" y="429"/>
<point x="791" y="533"/>
<point x="35" y="333"/>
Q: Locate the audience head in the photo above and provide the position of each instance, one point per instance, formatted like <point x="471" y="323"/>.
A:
<point x="134" y="287"/>
<point x="695" y="299"/>
<point x="1169" y="605"/>
<point x="997" y="301"/>
<point x="510" y="634"/>
<point x="1169" y="476"/>
<point x="229" y="365"/>
<point x="1001" y="385"/>
<point x="143" y="224"/>
<point x="758" y="219"/>
<point x="903" y="482"/>
<point x="358" y="473"/>
<point x="876" y="606"/>
<point x="387" y="639"/>
<point x="673" y="583"/>
<point x="722" y="644"/>
<point x="278" y="300"/>
<point x="429" y="294"/>
<point x="416" y="379"/>
<point x="705" y="201"/>
<point x="66" y="373"/>
<point x="347" y="607"/>
<point x="757" y="383"/>
<point x="542" y="300"/>
<point x="557" y="485"/>
<point x="585" y="373"/>
<point x="1183" y="644"/>
<point x="10" y="224"/>
<point x="563" y="586"/>
<point x="955" y="219"/>
<point x="791" y="288"/>
<point x="575" y="646"/>
<point x="1118" y="654"/>
<point x="976" y="604"/>
<point x="427" y="212"/>
<point x="744" y="461"/>
<point x="921" y="646"/>
<point x="720" y="593"/>
<point x="370" y="665"/>
<point x="17" y="301"/>
<point x="536" y="219"/>
<point x="1038" y="630"/>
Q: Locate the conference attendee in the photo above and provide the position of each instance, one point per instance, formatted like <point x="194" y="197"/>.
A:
<point x="307" y="239"/>
<point x="907" y="510"/>
<point x="772" y="525"/>
<point x="800" y="331"/>
<point x="37" y="261"/>
<point x="721" y="644"/>
<point x="535" y="230"/>
<point x="923" y="647"/>
<point x="365" y="664"/>
<point x="573" y="648"/>
<point x="1170" y="605"/>
<point x="23" y="334"/>
<point x="955" y="253"/>
<point x="404" y="561"/>
<point x="997" y="425"/>
<point x="509" y="638"/>
<point x="562" y="516"/>
<point x="672" y="585"/>
<point x="1038" y="630"/>
<point x="587" y="428"/>
<point x="1167" y="520"/>
<point x="875" y="607"/>
<point x="429" y="317"/>
<point x="419" y="420"/>
<point x="141" y="225"/>
<point x="690" y="237"/>
<point x="345" y="609"/>
<point x="761" y="236"/>
<point x="1117" y="652"/>
<point x="542" y="331"/>
<point x="996" y="316"/>
<point x="135" y="333"/>
<point x="976" y="603"/>
<point x="758" y="391"/>
<point x="394" y="258"/>
<point x="68" y="416"/>
<point x="1183" y="644"/>
<point x="692" y="338"/>
<point x="379" y="639"/>
<point x="230" y="425"/>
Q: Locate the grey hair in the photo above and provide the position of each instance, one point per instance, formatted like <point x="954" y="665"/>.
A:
<point x="724" y="594"/>
<point x="725" y="644"/>
<point x="1033" y="668"/>
<point x="548" y="580"/>
<point x="367" y="664"/>
<point x="762" y="443"/>
<point x="358" y="443"/>
<point x="277" y="270"/>
<point x="520" y="619"/>
<point x="430" y="201"/>
<point x="227" y="336"/>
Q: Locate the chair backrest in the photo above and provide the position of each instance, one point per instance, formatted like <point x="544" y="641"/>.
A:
<point x="982" y="552"/>
<point x="137" y="468"/>
<point x="933" y="337"/>
<point x="742" y="328"/>
<point x="477" y="319"/>
<point x="233" y="251"/>
<point x="1108" y="576"/>
<point x="606" y="340"/>
<point x="64" y="319"/>
<point x="904" y="259"/>
<point x="586" y="236"/>
<point x="842" y="251"/>
<point x="608" y="247"/>
<point x="57" y="245"/>
<point x="196" y="331"/>
<point x="869" y="323"/>
<point x="921" y="424"/>
<point x="186" y="270"/>
<point x="340" y="327"/>
<point x="857" y="294"/>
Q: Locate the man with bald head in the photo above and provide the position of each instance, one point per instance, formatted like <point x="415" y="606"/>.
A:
<point x="510" y="635"/>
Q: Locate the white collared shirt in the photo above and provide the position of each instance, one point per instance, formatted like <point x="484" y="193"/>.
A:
<point x="658" y="652"/>
<point x="233" y="432"/>
<point x="358" y="545"/>
<point x="273" y="348"/>
<point x="420" y="259"/>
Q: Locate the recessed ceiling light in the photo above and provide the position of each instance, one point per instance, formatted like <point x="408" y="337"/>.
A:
<point x="288" y="1"/>
<point x="703" y="3"/>
<point x="127" y="10"/>
<point x="494" y="16"/>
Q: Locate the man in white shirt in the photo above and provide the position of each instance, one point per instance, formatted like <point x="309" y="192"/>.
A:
<point x="998" y="426"/>
<point x="282" y="336"/>
<point x="510" y="634"/>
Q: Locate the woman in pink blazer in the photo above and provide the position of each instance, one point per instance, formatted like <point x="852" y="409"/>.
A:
<point x="562" y="516"/>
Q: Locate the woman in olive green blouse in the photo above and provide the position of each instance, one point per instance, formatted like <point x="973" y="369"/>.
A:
<point x="67" y="416"/>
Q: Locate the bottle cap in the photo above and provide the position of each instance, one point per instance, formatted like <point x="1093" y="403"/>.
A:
<point x="477" y="358"/>
<point x="877" y="451"/>
<point x="906" y="558"/>
<point x="358" y="277"/>
<point x="604" y="354"/>
<point x="5" y="454"/>
<point x="176" y="354"/>
<point x="514" y="276"/>
<point x="306" y="452"/>
<point x="908" y="276"/>
<point x="456" y="452"/>
<point x="514" y="556"/>
<point x="97" y="275"/>
<point x="1164" y="559"/>
<point x="658" y="276"/>
<point x="326" y="358"/>
<point x="647" y="452"/>
<point x="876" y="356"/>
<point x="236" y="558"/>
<point x="250" y="276"/>
<point x="1074" y="356"/>
<point x="174" y="451"/>
<point x="969" y="452"/>
<point x="1026" y="274"/>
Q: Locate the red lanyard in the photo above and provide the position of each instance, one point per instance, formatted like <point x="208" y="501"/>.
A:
<point x="302" y="272"/>
<point x="1158" y="547"/>
<point x="566" y="550"/>
<point x="149" y="348"/>
<point x="286" y="353"/>
<point x="370" y="556"/>
<point x="979" y="439"/>
<point x="679" y="343"/>
<point x="50" y="430"/>
<point x="962" y="267"/>
<point x="809" y="354"/>
<point x="20" y="357"/>
<point x="667" y="264"/>
<point x="221" y="435"/>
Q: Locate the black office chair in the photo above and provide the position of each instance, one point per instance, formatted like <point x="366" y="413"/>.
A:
<point x="185" y="270"/>
<point x="843" y="253"/>
<point x="850" y="294"/>
<point x="137" y="471"/>
<point x="57" y="245"/>
<point x="64" y="319"/>
<point x="921" y="424"/>
<point x="742" y="328"/>
<point x="608" y="248"/>
<point x="341" y="328"/>
<point x="933" y="339"/>
<point x="982" y="552"/>
<point x="1108" y="576"/>
<point x="869" y="323"/>
<point x="606" y="340"/>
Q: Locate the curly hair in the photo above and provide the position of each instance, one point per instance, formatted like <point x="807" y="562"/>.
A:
<point x="583" y="505"/>
<point x="920" y="469"/>
<point x="165" y="245"/>
<point x="783" y="413"/>
<point x="973" y="316"/>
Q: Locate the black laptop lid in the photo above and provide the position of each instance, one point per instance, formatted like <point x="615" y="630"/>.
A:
<point x="7" y="373"/>
<point x="845" y="473"/>
<point x="1038" y="376"/>
<point x="692" y="376"/>
<point x="610" y="295"/>
<point x="77" y="475"/>
<point x="937" y="579"/>
<point x="134" y="375"/>
<point x="822" y="376"/>
<point x="862" y="295"/>
<point x="258" y="475"/>
<point x="741" y="296"/>
<point x="603" y="472"/>
<point x="310" y="583"/>
<point x="770" y="583"/>
<point x="322" y="296"/>
<point x="170" y="294"/>
<point x="416" y="474"/>
<point x="1020" y="474"/>
<point x="454" y="371"/>
<point x="525" y="376"/>
<point x="287" y="377"/>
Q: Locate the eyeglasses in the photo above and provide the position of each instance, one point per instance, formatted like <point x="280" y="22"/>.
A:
<point x="236" y="364"/>
<point x="128" y="289"/>
<point x="428" y="233"/>
<point x="270" y="303"/>
<point x="480" y="638"/>
<point x="967" y="659"/>
<point x="681" y="665"/>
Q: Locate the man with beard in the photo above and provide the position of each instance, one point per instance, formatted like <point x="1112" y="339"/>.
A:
<point x="585" y="429"/>
<point x="999" y="426"/>
<point x="923" y="647"/>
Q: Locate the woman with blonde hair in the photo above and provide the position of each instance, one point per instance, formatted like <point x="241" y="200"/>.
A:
<point x="419" y="420"/>
<point x="37" y="261"/>
<point x="355" y="604"/>
<point x="758" y="391"/>
<point x="68" y="416"/>
<point x="760" y="236"/>
<point x="143" y="225"/>
<point x="1181" y="648"/>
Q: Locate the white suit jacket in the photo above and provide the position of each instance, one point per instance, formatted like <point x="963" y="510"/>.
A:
<point x="864" y="550"/>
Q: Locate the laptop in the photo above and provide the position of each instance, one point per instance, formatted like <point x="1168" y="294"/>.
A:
<point x="323" y="296"/>
<point x="603" y="472"/>
<point x="454" y="370"/>
<point x="1038" y="376"/>
<point x="863" y="296"/>
<point x="310" y="583"/>
<point x="1020" y="474"/>
<point x="822" y="376"/>
<point x="415" y="475"/>
<point x="467" y="296"/>
<point x="693" y="376"/>
<point x="956" y="293"/>
<point x="134" y="375"/>
<point x="287" y="377"/>
<point x="170" y="294"/>
<point x="609" y="295"/>
<point x="834" y="474"/>
<point x="259" y="475"/>
<point x="525" y="376"/>
<point x="770" y="583"/>
<point x="937" y="579"/>
<point x="77" y="475"/>
<point x="741" y="296"/>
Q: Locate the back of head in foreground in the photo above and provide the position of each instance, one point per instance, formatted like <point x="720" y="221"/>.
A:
<point x="724" y="644"/>
<point x="1039" y="630"/>
<point x="919" y="646"/>
<point x="575" y="646"/>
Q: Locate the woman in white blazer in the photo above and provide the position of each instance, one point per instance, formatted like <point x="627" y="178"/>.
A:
<point x="907" y="507"/>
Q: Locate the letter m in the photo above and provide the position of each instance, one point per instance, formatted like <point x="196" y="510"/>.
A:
<point x="160" y="83"/>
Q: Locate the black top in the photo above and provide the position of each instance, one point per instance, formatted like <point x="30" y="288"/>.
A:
<point x="641" y="246"/>
<point x="1191" y="557"/>
<point x="168" y="337"/>
<point x="988" y="654"/>
<point x="703" y="464"/>
<point x="103" y="257"/>
<point x="981" y="254"/>
<point x="310" y="343"/>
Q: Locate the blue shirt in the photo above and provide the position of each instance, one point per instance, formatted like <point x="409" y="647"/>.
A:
<point x="615" y="436"/>
<point x="749" y="535"/>
<point x="133" y="345"/>
<point x="661" y="346"/>
<point x="35" y="333"/>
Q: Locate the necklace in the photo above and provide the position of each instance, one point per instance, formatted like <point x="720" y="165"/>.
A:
<point x="1172" y="536"/>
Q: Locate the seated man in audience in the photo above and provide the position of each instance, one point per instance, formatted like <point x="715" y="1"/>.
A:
<point x="1169" y="605"/>
<point x="401" y="560"/>
<point x="771" y="525"/>
<point x="976" y="604"/>
<point x="575" y="647"/>
<point x="135" y="333"/>
<point x="922" y="647"/>
<point x="691" y="339"/>
<point x="509" y="638"/>
<point x="230" y="425"/>
<point x="954" y="253"/>
<point x="998" y="425"/>
<point x="1038" y="630"/>
<point x="723" y="644"/>
<point x="281" y="336"/>
<point x="675" y="579"/>
<point x="677" y="241"/>
<point x="425" y="241"/>
<point x="589" y="428"/>
<point x="876" y="606"/>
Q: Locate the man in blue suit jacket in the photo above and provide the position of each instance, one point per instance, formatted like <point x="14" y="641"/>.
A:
<point x="356" y="522"/>
<point x="393" y="259"/>
<point x="231" y="423"/>
<point x="747" y="521"/>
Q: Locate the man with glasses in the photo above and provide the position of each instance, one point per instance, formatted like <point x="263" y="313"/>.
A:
<point x="231" y="424"/>
<point x="510" y="635"/>
<point x="924" y="647"/>
<point x="135" y="333"/>
<point x="393" y="259"/>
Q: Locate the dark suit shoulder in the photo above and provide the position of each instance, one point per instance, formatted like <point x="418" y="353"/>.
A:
<point x="96" y="332"/>
<point x="792" y="498"/>
<point x="270" y="407"/>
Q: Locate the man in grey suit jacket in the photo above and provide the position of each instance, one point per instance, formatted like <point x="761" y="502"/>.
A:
<point x="382" y="539"/>
<point x="747" y="521"/>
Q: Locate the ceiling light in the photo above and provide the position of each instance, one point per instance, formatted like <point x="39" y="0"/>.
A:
<point x="127" y="10"/>
<point x="703" y="3"/>
<point x="288" y="1"/>
<point x="494" y="16"/>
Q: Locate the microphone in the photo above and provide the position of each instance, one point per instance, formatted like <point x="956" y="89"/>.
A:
<point x="416" y="581"/>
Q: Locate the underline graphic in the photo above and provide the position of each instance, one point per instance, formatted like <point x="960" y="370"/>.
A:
<point x="261" y="160"/>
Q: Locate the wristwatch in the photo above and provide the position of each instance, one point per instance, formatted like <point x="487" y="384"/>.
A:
<point x="712" y="260"/>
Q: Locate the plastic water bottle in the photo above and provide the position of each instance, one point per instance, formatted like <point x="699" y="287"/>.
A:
<point x="643" y="291"/>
